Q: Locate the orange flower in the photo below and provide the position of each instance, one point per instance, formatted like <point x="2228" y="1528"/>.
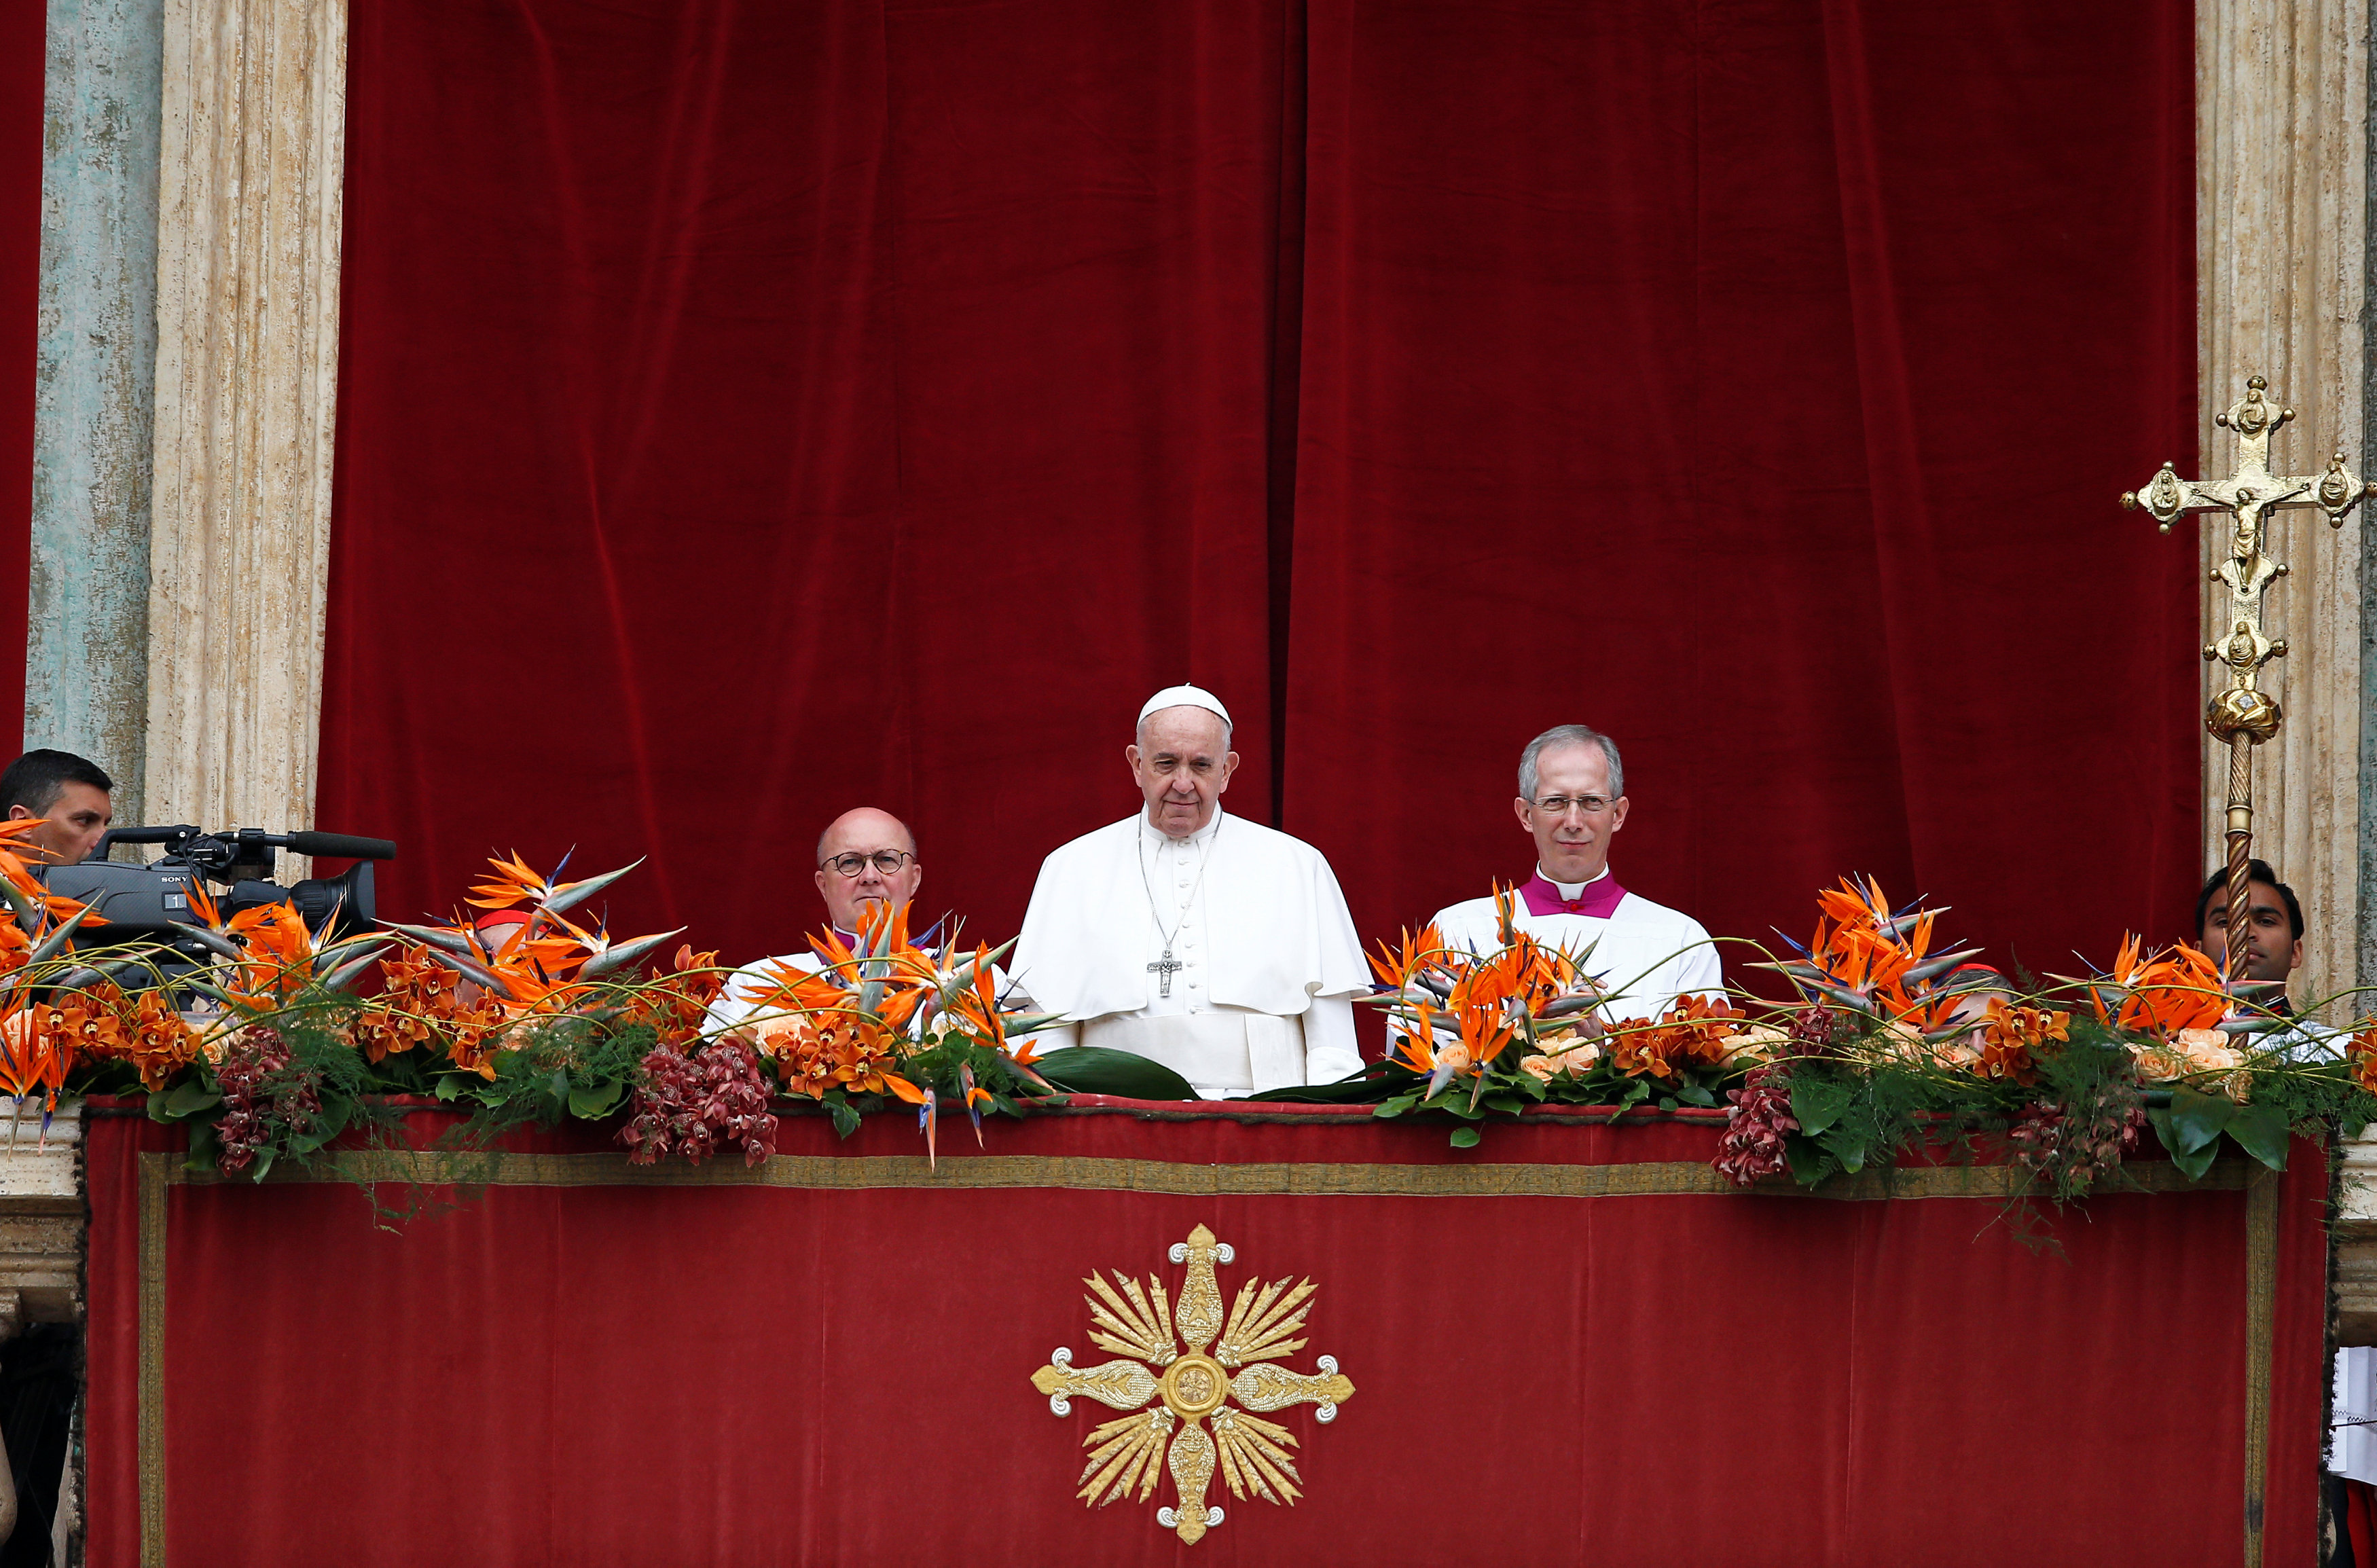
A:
<point x="1398" y="967"/>
<point x="2180" y="987"/>
<point x="2009" y="1038"/>
<point x="1694" y="1032"/>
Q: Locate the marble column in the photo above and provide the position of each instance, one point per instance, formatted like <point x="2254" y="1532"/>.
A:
<point x="2282" y="184"/>
<point x="250" y="183"/>
<point x="86" y="654"/>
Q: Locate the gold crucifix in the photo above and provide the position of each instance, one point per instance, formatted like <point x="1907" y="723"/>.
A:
<point x="2240" y="714"/>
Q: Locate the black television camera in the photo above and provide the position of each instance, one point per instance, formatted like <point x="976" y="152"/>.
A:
<point x="141" y="903"/>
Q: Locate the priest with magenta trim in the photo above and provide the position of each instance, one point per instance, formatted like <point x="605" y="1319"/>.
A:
<point x="1216" y="946"/>
<point x="1572" y="801"/>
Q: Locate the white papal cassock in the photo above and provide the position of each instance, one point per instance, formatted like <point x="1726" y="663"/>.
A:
<point x="1643" y="953"/>
<point x="1263" y="958"/>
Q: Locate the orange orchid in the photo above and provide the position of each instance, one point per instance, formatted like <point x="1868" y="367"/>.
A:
<point x="2009" y="1039"/>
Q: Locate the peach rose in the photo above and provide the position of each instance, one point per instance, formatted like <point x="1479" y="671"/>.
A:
<point x="785" y="1031"/>
<point x="1539" y="1068"/>
<point x="1756" y="1044"/>
<point x="2208" y="1050"/>
<point x="1454" y="1055"/>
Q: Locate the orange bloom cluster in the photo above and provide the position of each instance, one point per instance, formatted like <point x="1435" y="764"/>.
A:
<point x="2178" y="989"/>
<point x="1861" y="948"/>
<point x="101" y="1025"/>
<point x="675" y="1007"/>
<point x="2009" y="1037"/>
<point x="2360" y="1055"/>
<point x="1694" y="1032"/>
<point x="420" y="1001"/>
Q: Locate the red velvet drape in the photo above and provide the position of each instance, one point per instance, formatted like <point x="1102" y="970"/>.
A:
<point x="748" y="412"/>
<point x="735" y="1375"/>
<point x="24" y="50"/>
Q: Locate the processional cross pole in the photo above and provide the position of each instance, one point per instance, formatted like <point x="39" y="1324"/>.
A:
<point x="2240" y="715"/>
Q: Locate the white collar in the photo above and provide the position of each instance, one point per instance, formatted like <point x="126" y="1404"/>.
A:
<point x="1572" y="891"/>
<point x="1150" y="833"/>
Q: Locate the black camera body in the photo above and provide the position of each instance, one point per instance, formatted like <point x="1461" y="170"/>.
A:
<point x="142" y="903"/>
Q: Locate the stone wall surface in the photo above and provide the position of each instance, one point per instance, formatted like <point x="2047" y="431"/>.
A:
<point x="86" y="655"/>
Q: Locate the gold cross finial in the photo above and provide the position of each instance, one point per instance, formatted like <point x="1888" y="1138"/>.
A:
<point x="2242" y="715"/>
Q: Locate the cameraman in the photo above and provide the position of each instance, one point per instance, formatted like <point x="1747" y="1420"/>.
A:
<point x="70" y="792"/>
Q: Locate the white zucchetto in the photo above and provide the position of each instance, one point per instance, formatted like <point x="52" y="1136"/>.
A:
<point x="1184" y="697"/>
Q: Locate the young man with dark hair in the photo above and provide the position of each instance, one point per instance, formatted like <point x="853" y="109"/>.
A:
<point x="68" y="793"/>
<point x="2273" y="948"/>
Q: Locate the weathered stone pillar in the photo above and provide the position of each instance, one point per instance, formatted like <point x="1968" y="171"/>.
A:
<point x="247" y="325"/>
<point x="2281" y="125"/>
<point x="86" y="654"/>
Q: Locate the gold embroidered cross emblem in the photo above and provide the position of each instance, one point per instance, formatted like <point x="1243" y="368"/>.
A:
<point x="1202" y="1402"/>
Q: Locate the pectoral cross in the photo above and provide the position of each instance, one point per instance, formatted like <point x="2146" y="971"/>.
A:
<point x="2241" y="714"/>
<point x="1165" y="967"/>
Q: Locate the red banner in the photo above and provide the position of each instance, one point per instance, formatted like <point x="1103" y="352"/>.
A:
<point x="1572" y="1344"/>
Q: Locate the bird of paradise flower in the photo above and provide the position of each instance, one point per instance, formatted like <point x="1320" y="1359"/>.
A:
<point x="1192" y="1390"/>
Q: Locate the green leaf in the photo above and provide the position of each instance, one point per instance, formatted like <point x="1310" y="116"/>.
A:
<point x="1510" y="1105"/>
<point x="1397" y="1105"/>
<point x="2261" y="1131"/>
<point x="1816" y="1104"/>
<point x="1846" y="1147"/>
<point x="846" y="1117"/>
<point x="1096" y="1069"/>
<point x="1694" y="1094"/>
<point x="1465" y="1137"/>
<point x="447" y="1087"/>
<point x="1667" y="1102"/>
<point x="2197" y="1162"/>
<point x="187" y="1098"/>
<point x="2197" y="1120"/>
<point x="597" y="1100"/>
<point x="263" y="1163"/>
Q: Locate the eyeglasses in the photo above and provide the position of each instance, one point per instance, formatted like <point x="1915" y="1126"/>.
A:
<point x="887" y="861"/>
<point x="1557" y="804"/>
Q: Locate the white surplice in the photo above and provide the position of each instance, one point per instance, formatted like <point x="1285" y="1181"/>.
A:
<point x="1263" y="958"/>
<point x="1644" y="954"/>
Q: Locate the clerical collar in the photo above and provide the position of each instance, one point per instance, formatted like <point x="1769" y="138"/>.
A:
<point x="1598" y="898"/>
<point x="1200" y="838"/>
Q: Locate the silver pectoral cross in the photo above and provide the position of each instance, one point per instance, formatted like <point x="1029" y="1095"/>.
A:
<point x="1165" y="967"/>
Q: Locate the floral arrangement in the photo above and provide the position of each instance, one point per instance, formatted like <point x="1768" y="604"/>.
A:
<point x="269" y="1038"/>
<point x="279" y="1039"/>
<point x="1884" y="1052"/>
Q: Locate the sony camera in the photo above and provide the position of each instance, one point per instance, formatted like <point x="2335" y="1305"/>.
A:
<point x="141" y="903"/>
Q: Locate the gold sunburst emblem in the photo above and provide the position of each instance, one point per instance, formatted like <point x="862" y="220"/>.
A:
<point x="1193" y="1390"/>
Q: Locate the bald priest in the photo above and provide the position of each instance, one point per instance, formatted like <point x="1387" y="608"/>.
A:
<point x="1221" y="947"/>
<point x="1572" y="801"/>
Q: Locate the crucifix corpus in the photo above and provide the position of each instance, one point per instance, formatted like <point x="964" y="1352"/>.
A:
<point x="2240" y="714"/>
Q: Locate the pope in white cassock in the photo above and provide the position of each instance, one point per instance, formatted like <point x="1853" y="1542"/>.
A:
<point x="1572" y="800"/>
<point x="1221" y="947"/>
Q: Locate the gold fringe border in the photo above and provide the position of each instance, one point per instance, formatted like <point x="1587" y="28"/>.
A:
<point x="2262" y="1188"/>
<point x="1286" y="1179"/>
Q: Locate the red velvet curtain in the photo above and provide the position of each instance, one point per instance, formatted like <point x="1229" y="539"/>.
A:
<point x="750" y="412"/>
<point x="735" y="1375"/>
<point x="24" y="50"/>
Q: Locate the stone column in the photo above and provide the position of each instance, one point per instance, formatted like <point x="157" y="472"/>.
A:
<point x="248" y="319"/>
<point x="2282" y="181"/>
<point x="87" y="656"/>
